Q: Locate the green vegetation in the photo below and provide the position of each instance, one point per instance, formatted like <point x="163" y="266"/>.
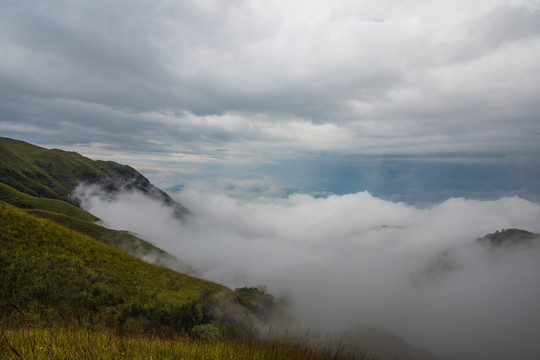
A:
<point x="59" y="274"/>
<point x="48" y="173"/>
<point x="55" y="174"/>
<point x="79" y="343"/>
<point x="25" y="201"/>
<point x="53" y="266"/>
<point x="122" y="240"/>
<point x="22" y="158"/>
<point x="257" y="301"/>
<point x="77" y="219"/>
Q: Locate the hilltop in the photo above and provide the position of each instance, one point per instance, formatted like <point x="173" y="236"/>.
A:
<point x="77" y="219"/>
<point x="54" y="174"/>
<point x="510" y="237"/>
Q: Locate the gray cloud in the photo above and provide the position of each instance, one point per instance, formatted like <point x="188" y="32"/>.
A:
<point x="309" y="60"/>
<point x="270" y="83"/>
<point x="358" y="259"/>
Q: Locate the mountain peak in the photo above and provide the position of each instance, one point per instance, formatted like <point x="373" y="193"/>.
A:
<point x="510" y="237"/>
<point x="55" y="173"/>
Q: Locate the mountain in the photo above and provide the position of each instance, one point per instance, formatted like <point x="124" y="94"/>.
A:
<point x="510" y="237"/>
<point x="447" y="261"/>
<point x="384" y="345"/>
<point x="25" y="201"/>
<point x="122" y="240"/>
<point x="53" y="274"/>
<point x="57" y="264"/>
<point x="77" y="219"/>
<point x="54" y="174"/>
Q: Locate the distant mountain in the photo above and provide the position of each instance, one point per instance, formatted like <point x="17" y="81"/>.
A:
<point x="56" y="173"/>
<point x="446" y="261"/>
<point x="509" y="237"/>
<point x="384" y="345"/>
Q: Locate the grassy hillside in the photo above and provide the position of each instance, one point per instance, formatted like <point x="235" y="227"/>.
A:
<point x="77" y="219"/>
<point x="25" y="201"/>
<point x="52" y="174"/>
<point x="58" y="274"/>
<point x="122" y="240"/>
<point x="78" y="343"/>
<point x="55" y="173"/>
<point x="45" y="173"/>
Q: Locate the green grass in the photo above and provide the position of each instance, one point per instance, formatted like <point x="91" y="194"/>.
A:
<point x="79" y="220"/>
<point x="59" y="274"/>
<point x="60" y="343"/>
<point x="25" y="201"/>
<point x="54" y="173"/>
<point x="122" y="240"/>
<point x="32" y="177"/>
<point x="45" y="173"/>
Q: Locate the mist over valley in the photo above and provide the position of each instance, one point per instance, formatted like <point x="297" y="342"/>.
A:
<point x="351" y="261"/>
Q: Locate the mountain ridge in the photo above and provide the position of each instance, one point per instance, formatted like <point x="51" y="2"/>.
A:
<point x="55" y="173"/>
<point x="77" y="219"/>
<point x="58" y="264"/>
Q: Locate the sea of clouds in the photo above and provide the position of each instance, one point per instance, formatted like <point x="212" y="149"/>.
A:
<point x="349" y="260"/>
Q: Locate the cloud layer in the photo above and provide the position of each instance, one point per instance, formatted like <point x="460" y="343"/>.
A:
<point x="356" y="259"/>
<point x="198" y="82"/>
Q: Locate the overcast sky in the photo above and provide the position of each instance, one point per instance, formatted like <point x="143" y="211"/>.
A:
<point x="196" y="87"/>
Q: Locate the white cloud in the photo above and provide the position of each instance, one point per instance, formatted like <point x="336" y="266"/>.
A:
<point x="357" y="259"/>
<point x="346" y="76"/>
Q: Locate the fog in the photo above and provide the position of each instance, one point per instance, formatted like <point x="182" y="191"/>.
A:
<point x="349" y="260"/>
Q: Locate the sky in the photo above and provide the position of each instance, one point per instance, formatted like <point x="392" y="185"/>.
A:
<point x="412" y="100"/>
<point x="353" y="144"/>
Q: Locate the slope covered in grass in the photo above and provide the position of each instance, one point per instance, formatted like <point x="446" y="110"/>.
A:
<point x="25" y="201"/>
<point x="122" y="240"/>
<point x="55" y="173"/>
<point x="77" y="219"/>
<point x="47" y="173"/>
<point x="79" y="343"/>
<point x="58" y="274"/>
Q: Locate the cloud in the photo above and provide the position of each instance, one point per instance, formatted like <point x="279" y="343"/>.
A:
<point x="357" y="259"/>
<point x="257" y="77"/>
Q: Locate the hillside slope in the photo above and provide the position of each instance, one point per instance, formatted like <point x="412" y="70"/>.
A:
<point x="55" y="174"/>
<point x="122" y="240"/>
<point x="58" y="274"/>
<point x="58" y="264"/>
<point x="77" y="219"/>
<point x="25" y="201"/>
